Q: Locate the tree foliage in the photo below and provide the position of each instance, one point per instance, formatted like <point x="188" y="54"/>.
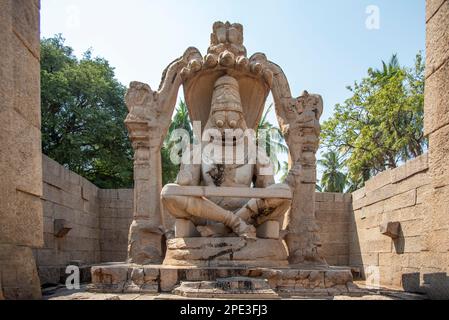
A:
<point x="381" y="124"/>
<point x="274" y="141"/>
<point x="333" y="178"/>
<point x="83" y="112"/>
<point x="181" y="120"/>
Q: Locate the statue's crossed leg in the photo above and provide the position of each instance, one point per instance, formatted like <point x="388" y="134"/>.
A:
<point x="198" y="208"/>
<point x="255" y="212"/>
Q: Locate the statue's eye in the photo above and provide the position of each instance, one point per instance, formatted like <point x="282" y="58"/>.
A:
<point x="233" y="119"/>
<point x="220" y="123"/>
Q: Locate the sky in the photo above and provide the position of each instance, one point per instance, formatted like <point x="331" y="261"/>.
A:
<point x="322" y="45"/>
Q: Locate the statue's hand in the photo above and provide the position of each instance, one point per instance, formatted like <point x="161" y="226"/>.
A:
<point x="246" y="231"/>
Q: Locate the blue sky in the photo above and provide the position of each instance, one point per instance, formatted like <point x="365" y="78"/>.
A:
<point x="322" y="45"/>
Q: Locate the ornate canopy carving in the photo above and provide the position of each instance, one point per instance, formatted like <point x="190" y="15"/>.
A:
<point x="226" y="55"/>
<point x="150" y="115"/>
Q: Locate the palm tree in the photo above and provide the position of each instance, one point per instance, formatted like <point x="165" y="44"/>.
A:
<point x="181" y="120"/>
<point x="285" y="170"/>
<point x="333" y="179"/>
<point x="388" y="69"/>
<point x="275" y="144"/>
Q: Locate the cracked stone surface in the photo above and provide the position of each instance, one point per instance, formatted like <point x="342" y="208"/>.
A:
<point x="225" y="251"/>
<point x="82" y="294"/>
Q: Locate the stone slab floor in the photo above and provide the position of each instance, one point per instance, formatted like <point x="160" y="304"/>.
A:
<point x="82" y="294"/>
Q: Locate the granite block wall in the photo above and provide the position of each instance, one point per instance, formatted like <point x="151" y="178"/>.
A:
<point x="21" y="220"/>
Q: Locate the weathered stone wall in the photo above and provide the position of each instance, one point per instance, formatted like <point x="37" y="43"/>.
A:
<point x="116" y="208"/>
<point x="436" y="107"/>
<point x="99" y="222"/>
<point x="73" y="199"/>
<point x="20" y="152"/>
<point x="399" y="195"/>
<point x="334" y="214"/>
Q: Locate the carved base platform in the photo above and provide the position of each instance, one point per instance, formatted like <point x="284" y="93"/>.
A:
<point x="224" y="282"/>
<point x="229" y="288"/>
<point x="226" y="252"/>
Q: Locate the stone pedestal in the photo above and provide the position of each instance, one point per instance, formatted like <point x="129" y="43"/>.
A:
<point x="224" y="282"/>
<point x="269" y="230"/>
<point x="215" y="252"/>
<point x="228" y="288"/>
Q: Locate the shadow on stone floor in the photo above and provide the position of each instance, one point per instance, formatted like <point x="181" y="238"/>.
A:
<point x="434" y="285"/>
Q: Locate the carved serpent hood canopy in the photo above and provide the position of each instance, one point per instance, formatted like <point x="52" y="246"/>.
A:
<point x="226" y="56"/>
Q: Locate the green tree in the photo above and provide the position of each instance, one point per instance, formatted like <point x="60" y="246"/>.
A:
<point x="388" y="68"/>
<point x="381" y="124"/>
<point x="83" y="112"/>
<point x="333" y="178"/>
<point x="181" y="120"/>
<point x="275" y="143"/>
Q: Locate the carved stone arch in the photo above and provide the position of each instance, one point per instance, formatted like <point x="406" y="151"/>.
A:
<point x="149" y="118"/>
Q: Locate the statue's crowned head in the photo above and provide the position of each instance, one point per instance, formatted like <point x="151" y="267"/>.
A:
<point x="226" y="108"/>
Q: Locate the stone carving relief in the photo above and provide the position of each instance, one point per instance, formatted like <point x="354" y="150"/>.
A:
<point x="223" y="89"/>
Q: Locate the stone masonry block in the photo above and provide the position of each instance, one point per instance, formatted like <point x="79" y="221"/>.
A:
<point x="439" y="157"/>
<point x="410" y="168"/>
<point x="19" y="273"/>
<point x="403" y="200"/>
<point x="437" y="44"/>
<point x="359" y="194"/>
<point x="375" y="209"/>
<point x="380" y="180"/>
<point x="61" y="227"/>
<point x="380" y="194"/>
<point x="169" y="279"/>
<point x="412" y="228"/>
<point x="412" y="244"/>
<point x="26" y="91"/>
<point x="390" y="229"/>
<point x="126" y="194"/>
<point x="416" y="181"/>
<point x="432" y="7"/>
<point x="88" y="190"/>
<point x="29" y="223"/>
<point x="22" y="152"/>
<point x="26" y="24"/>
<point x="436" y="100"/>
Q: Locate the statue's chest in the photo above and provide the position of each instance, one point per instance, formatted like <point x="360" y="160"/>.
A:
<point x="227" y="175"/>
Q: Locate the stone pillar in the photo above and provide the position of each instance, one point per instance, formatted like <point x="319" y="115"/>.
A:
<point x="302" y="131"/>
<point x="436" y="121"/>
<point x="145" y="237"/>
<point x="21" y="218"/>
<point x="147" y="122"/>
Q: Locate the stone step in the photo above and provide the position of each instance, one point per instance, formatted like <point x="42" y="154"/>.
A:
<point x="227" y="288"/>
<point x="303" y="281"/>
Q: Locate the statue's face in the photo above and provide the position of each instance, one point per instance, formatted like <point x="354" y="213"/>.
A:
<point x="223" y="120"/>
<point x="228" y="121"/>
